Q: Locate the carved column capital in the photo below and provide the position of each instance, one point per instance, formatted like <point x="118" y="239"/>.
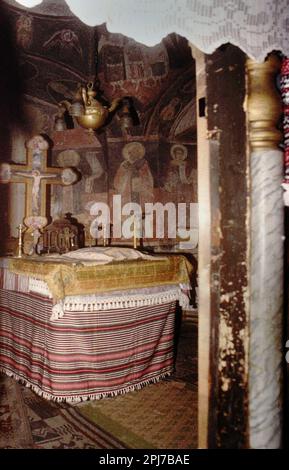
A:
<point x="264" y="105"/>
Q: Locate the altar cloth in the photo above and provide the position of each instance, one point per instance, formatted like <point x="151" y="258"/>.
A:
<point x="69" y="278"/>
<point x="84" y="355"/>
<point x="121" y="341"/>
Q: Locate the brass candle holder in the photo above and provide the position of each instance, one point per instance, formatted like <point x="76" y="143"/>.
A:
<point x="104" y="235"/>
<point x="20" y="231"/>
<point x="134" y="233"/>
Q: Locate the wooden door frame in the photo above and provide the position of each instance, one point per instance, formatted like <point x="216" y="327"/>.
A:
<point x="241" y="119"/>
<point x="222" y="373"/>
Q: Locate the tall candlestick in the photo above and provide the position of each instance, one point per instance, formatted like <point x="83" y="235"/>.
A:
<point x="104" y="234"/>
<point x="20" y="227"/>
<point x="134" y="233"/>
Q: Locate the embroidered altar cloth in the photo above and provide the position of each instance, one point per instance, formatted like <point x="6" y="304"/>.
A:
<point x="69" y="278"/>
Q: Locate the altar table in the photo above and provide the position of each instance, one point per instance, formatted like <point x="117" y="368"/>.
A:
<point x="101" y="343"/>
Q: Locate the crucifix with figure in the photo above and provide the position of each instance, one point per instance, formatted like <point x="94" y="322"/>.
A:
<point x="36" y="175"/>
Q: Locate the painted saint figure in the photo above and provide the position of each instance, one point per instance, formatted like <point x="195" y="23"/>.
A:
<point x="24" y="31"/>
<point x="170" y="110"/>
<point x="133" y="179"/>
<point x="177" y="173"/>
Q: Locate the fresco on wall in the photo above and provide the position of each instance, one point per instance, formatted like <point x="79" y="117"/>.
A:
<point x="178" y="171"/>
<point x="128" y="68"/>
<point x="24" y="31"/>
<point x="153" y="161"/>
<point x="64" y="42"/>
<point x="133" y="179"/>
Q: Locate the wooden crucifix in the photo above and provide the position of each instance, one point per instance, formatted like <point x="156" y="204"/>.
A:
<point x="36" y="175"/>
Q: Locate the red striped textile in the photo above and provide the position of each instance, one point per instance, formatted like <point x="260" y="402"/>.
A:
<point x="12" y="281"/>
<point x="84" y="354"/>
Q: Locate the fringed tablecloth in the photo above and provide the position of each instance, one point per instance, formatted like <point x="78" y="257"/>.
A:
<point x="106" y="343"/>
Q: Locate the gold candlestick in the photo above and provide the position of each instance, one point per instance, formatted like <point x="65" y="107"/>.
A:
<point x="104" y="234"/>
<point x="20" y="228"/>
<point x="134" y="233"/>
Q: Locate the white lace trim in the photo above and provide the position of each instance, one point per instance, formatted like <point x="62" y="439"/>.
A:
<point x="39" y="287"/>
<point x="257" y="27"/>
<point x="86" y="303"/>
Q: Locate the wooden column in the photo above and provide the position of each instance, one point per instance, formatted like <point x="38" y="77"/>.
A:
<point x="245" y="264"/>
<point x="228" y="264"/>
<point x="266" y="254"/>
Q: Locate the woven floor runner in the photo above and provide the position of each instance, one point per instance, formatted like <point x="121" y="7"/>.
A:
<point x="28" y="421"/>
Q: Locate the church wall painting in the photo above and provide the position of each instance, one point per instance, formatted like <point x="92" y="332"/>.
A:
<point x="160" y="80"/>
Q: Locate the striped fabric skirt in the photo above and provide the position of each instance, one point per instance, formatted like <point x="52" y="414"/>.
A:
<point x="84" y="355"/>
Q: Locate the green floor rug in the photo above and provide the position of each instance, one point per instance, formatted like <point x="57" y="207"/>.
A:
<point x="159" y="416"/>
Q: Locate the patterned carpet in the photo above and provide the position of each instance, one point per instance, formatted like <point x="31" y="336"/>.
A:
<point x="28" y="421"/>
<point x="142" y="419"/>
